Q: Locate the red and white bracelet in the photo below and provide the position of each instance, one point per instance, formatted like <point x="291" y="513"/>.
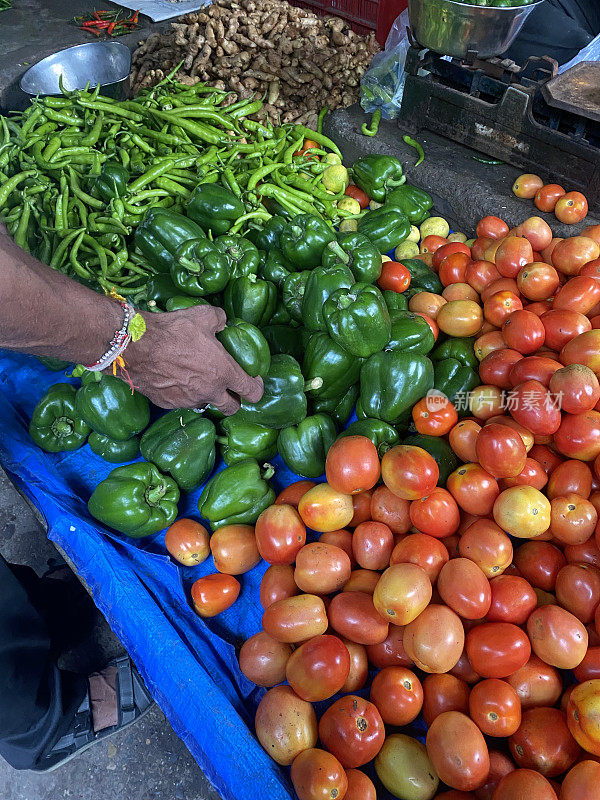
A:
<point x="119" y="341"/>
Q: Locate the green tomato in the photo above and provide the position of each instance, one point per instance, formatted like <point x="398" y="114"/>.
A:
<point x="414" y="235"/>
<point x="405" y="769"/>
<point x="457" y="237"/>
<point x="434" y="226"/>
<point x="406" y="250"/>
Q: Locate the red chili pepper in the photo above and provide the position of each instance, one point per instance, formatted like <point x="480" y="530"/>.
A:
<point x="111" y="28"/>
<point x="95" y="24"/>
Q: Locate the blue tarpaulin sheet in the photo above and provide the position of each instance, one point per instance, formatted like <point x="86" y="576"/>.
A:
<point x="189" y="664"/>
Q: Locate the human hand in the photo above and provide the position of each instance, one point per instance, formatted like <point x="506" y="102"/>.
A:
<point x="179" y="363"/>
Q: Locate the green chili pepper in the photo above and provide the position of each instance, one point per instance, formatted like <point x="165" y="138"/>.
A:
<point x="413" y="143"/>
<point x="372" y="128"/>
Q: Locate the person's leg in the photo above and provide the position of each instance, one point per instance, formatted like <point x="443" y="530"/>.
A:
<point x="38" y="702"/>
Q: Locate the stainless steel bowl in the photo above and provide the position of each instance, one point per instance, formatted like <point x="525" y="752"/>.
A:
<point x="453" y="29"/>
<point x="107" y="64"/>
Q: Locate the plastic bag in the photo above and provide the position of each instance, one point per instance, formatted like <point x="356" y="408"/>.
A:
<point x="591" y="52"/>
<point x="382" y="84"/>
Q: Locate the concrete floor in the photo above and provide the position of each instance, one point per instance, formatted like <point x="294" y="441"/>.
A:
<point x="145" y="762"/>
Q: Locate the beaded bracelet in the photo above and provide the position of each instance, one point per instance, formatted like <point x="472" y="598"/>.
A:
<point x="119" y="341"/>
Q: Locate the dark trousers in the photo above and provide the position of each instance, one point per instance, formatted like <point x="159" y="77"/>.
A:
<point x="38" y="701"/>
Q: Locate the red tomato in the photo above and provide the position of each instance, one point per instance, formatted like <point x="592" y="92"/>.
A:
<point x="537" y="281"/>
<point x="583" y="349"/>
<point x="458" y="751"/>
<point x="352" y="465"/>
<point x="497" y="649"/>
<point x="547" y="251"/>
<point x="524" y="784"/>
<point x="453" y="268"/>
<point x="353" y="616"/>
<point x="392" y="510"/>
<point x="317" y="774"/>
<point x="546" y="198"/>
<point x="359" y="667"/>
<point x="480" y="245"/>
<point x="573" y="519"/>
<point x="543" y="742"/>
<point x="578" y="590"/>
<point x="474" y="489"/>
<point x="295" y="619"/>
<point x="352" y="730"/>
<point x="398" y="695"/>
<point x="486" y="401"/>
<point x="362" y="580"/>
<point x="496" y="367"/>
<point x="578" y="388"/>
<point x="409" y="472"/>
<point x="583" y="717"/>
<point x="500" y="450"/>
<point x="580" y="294"/>
<point x="532" y="474"/>
<point x="500" y="765"/>
<point x="318" y="668"/>
<point x="492" y="227"/>
<point x="460" y="291"/>
<point x="581" y="781"/>
<point x="359" y="786"/>
<point x="361" y="504"/>
<point x="431" y="322"/>
<point x="513" y="600"/>
<point x="488" y="343"/>
<point x="539" y="308"/>
<point x="188" y="542"/>
<point x="234" y="549"/>
<point x="463" y="669"/>
<point x="522" y="511"/>
<point x="537" y="232"/>
<point x="480" y="274"/>
<point x="357" y="194"/>
<point x="495" y="708"/>
<point x="535" y="408"/>
<point x="462" y="439"/>
<point x="447" y="250"/>
<point x="537" y="684"/>
<point x="372" y="545"/>
<point x="437" y="514"/>
<point x="321" y="568"/>
<point x="500" y="285"/>
<point x="579" y="436"/>
<point x="390" y="652"/>
<point x="402" y="592"/>
<point x="571" y="208"/>
<point x="539" y="563"/>
<point x="571" y="254"/>
<point x="514" y="252"/>
<point x="537" y="368"/>
<point x="465" y="588"/>
<point x="593" y="232"/>
<point x="557" y="637"/>
<point x="285" y="724"/>
<point x="570" y="477"/>
<point x="499" y="306"/>
<point x="324" y="509"/>
<point x="562" y="326"/>
<point x="293" y="493"/>
<point x="523" y="332"/>
<point x="213" y="594"/>
<point x="394" y="276"/>
<point x="586" y="553"/>
<point x="527" y="185"/>
<point x="280" y="533"/>
<point x="486" y="544"/>
<point x="434" y="419"/>
<point x="435" y="639"/>
<point x="277" y="583"/>
<point x="426" y="551"/>
<point x="263" y="659"/>
<point x="444" y="692"/>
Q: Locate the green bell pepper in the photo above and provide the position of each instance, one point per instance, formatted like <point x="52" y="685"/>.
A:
<point x="438" y="447"/>
<point x="462" y="349"/>
<point x="56" y="424"/>
<point x="303" y="240"/>
<point x="422" y="277"/>
<point x="376" y="174"/>
<point x="53" y="364"/>
<point x="109" y="406"/>
<point x="237" y="494"/>
<point x="283" y="402"/>
<point x="214" y="208"/>
<point x="281" y="316"/>
<point x="455" y="380"/>
<point x="391" y="383"/>
<point x="322" y="282"/>
<point x="382" y="435"/>
<point x="413" y="201"/>
<point x="267" y="237"/>
<point x="328" y="367"/>
<point x="284" y="339"/>
<point x="273" y="267"/>
<point x="396" y="302"/>
<point x="304" y="447"/>
<point x="199" y="268"/>
<point x="113" y="451"/>
<point x="358" y="319"/>
<point x="112" y="181"/>
<point x="244" y="440"/>
<point x="251" y="299"/>
<point x="292" y="292"/>
<point x="160" y="233"/>
<point x="386" y="227"/>
<point x="156" y="292"/>
<point x="243" y="256"/>
<point x="338" y="408"/>
<point x="359" y="255"/>
<point x="246" y="344"/>
<point x="181" y="301"/>
<point x="181" y="444"/>
<point x="410" y="334"/>
<point x="136" y="500"/>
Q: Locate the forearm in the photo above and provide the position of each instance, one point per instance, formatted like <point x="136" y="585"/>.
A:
<point x="48" y="314"/>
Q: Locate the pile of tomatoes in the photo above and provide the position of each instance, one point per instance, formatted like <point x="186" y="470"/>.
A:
<point x="568" y="207"/>
<point x="475" y="605"/>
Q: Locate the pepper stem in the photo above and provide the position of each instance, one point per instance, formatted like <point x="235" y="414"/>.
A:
<point x="269" y="471"/>
<point x="315" y="383"/>
<point x="336" y="248"/>
<point x="154" y="494"/>
<point x="62" y="426"/>
<point x="221" y="440"/>
<point x="191" y="266"/>
<point x="391" y="182"/>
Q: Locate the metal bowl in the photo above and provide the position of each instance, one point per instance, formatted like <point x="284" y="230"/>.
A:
<point x="107" y="64"/>
<point x="453" y="29"/>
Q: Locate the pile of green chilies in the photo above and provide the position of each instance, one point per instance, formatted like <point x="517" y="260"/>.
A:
<point x="169" y="138"/>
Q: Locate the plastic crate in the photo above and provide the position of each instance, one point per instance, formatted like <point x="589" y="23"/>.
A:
<point x="364" y="16"/>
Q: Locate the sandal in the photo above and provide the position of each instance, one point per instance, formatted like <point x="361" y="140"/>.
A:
<point x="133" y="701"/>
